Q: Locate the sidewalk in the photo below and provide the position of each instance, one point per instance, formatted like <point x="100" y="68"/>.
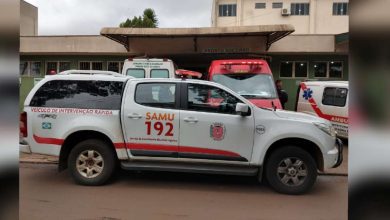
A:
<point x="39" y="158"/>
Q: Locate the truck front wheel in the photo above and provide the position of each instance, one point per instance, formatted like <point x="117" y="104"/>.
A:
<point x="91" y="162"/>
<point x="291" y="170"/>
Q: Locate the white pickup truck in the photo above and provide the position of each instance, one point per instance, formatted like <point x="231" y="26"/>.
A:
<point x="95" y="122"/>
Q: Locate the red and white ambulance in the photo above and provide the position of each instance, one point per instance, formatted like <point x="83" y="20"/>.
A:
<point x="328" y="100"/>
<point x="251" y="78"/>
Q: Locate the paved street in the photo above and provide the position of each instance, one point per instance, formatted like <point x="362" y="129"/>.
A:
<point x="47" y="194"/>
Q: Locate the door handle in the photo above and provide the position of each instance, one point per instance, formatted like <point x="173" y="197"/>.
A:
<point x="134" y="116"/>
<point x="190" y="120"/>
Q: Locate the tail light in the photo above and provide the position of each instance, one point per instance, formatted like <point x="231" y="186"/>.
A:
<point x="23" y="124"/>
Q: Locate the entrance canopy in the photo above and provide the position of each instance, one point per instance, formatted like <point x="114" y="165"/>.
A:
<point x="198" y="41"/>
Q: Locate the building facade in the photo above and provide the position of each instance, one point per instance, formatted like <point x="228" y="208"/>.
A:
<point x="28" y="19"/>
<point x="307" y="16"/>
<point x="293" y="58"/>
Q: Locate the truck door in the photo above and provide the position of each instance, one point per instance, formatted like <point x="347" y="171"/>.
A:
<point x="211" y="129"/>
<point x="150" y="118"/>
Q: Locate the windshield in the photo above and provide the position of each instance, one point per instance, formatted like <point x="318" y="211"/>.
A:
<point x="252" y="86"/>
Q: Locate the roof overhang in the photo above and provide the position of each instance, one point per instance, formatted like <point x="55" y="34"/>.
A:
<point x="197" y="40"/>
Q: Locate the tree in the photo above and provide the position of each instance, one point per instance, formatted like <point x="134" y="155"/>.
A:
<point x="148" y="20"/>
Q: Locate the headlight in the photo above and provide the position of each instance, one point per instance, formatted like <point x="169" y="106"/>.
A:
<point x="329" y="129"/>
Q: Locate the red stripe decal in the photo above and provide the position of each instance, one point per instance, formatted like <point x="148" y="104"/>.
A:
<point x="43" y="140"/>
<point x="184" y="149"/>
<point x="180" y="149"/>
<point x="119" y="145"/>
<point x="318" y="111"/>
<point x="141" y="146"/>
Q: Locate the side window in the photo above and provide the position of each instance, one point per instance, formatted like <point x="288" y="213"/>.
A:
<point x="79" y="94"/>
<point x="206" y="98"/>
<point x="136" y="73"/>
<point x="335" y="96"/>
<point x="159" y="73"/>
<point x="161" y="95"/>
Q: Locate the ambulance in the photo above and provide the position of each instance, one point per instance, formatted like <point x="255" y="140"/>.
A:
<point x="328" y="100"/>
<point x="156" y="68"/>
<point x="251" y="78"/>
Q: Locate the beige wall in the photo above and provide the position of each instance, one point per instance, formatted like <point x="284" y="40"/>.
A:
<point x="320" y="20"/>
<point x="70" y="45"/>
<point x="28" y="19"/>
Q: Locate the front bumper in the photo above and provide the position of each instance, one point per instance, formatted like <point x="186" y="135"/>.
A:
<point x="339" y="145"/>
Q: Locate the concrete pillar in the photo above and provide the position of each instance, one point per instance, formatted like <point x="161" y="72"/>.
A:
<point x="239" y="13"/>
<point x="312" y="16"/>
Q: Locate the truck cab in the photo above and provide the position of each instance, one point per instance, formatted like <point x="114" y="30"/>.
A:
<point x="251" y="78"/>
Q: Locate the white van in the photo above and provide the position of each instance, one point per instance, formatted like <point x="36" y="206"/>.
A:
<point x="149" y="68"/>
<point x="326" y="99"/>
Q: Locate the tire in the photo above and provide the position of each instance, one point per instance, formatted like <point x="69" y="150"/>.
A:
<point x="286" y="168"/>
<point x="96" y="160"/>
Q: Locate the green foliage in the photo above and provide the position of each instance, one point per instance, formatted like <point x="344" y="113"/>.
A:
<point x="148" y="20"/>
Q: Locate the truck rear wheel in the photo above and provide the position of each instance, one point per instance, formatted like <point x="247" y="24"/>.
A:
<point x="291" y="170"/>
<point x="91" y="162"/>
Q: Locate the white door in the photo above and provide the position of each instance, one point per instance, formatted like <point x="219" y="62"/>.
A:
<point x="151" y="120"/>
<point x="210" y="127"/>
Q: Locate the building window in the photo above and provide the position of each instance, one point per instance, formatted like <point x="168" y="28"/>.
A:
<point x="300" y="69"/>
<point x="286" y="69"/>
<point x="260" y="5"/>
<point x="54" y="67"/>
<point x="335" y="69"/>
<point x="320" y="69"/>
<point x="115" y="66"/>
<point x="340" y="8"/>
<point x="87" y="65"/>
<point x="30" y="68"/>
<point x="227" y="10"/>
<point x="63" y="66"/>
<point x="300" y="8"/>
<point x="277" y="5"/>
<point x="23" y="68"/>
<point x="293" y="69"/>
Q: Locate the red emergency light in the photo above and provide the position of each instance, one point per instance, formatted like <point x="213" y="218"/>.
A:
<point x="252" y="64"/>
<point x="182" y="73"/>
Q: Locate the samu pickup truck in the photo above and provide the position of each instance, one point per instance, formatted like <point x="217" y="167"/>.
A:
<point x="97" y="121"/>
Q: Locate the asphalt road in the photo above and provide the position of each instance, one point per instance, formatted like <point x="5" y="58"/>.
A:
<point x="47" y="194"/>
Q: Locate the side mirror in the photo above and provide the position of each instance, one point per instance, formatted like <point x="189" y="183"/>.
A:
<point x="242" y="109"/>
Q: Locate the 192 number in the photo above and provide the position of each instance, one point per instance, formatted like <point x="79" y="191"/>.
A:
<point x="159" y="127"/>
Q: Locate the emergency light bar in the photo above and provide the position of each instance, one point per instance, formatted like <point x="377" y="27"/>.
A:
<point x="186" y="73"/>
<point x="243" y="63"/>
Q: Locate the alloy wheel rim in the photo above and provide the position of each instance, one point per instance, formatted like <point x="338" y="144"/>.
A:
<point x="292" y="171"/>
<point x="90" y="164"/>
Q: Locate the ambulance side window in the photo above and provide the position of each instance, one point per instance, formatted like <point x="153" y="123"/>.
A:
<point x="206" y="98"/>
<point x="335" y="96"/>
<point x="161" y="95"/>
